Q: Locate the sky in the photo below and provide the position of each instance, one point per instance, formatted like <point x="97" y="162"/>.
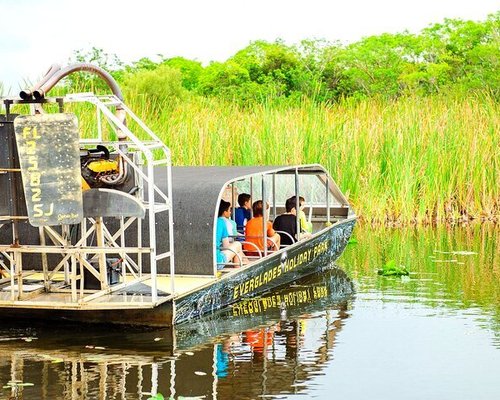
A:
<point x="37" y="33"/>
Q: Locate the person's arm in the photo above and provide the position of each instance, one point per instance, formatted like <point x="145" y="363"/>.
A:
<point x="305" y="226"/>
<point x="225" y="243"/>
<point x="222" y="232"/>
<point x="270" y="231"/>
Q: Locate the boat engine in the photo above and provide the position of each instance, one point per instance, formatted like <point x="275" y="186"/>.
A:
<point x="99" y="169"/>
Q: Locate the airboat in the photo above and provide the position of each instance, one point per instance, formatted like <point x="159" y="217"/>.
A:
<point x="97" y="226"/>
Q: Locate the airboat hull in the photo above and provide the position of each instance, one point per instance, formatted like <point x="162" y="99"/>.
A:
<point x="303" y="258"/>
<point x="159" y="316"/>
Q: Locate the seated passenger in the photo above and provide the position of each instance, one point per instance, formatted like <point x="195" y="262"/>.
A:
<point x="254" y="232"/>
<point x="225" y="250"/>
<point x="231" y="225"/>
<point x="287" y="222"/>
<point x="305" y="225"/>
<point x="242" y="214"/>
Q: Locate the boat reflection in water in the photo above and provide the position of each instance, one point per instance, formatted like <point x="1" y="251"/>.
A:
<point x="262" y="346"/>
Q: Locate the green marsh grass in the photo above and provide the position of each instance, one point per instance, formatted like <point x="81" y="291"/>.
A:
<point x="411" y="160"/>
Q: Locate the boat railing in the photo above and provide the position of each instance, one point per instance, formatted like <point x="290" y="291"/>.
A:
<point x="259" y="253"/>
<point x="238" y="264"/>
<point x="286" y="234"/>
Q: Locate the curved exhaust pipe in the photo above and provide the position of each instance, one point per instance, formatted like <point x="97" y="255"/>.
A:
<point x="41" y="90"/>
<point x="28" y="93"/>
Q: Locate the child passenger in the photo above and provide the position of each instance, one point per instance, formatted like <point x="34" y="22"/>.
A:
<point x="242" y="214"/>
<point x="254" y="232"/>
<point x="225" y="250"/>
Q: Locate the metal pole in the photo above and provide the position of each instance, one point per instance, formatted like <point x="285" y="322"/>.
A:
<point x="233" y="206"/>
<point x="103" y="273"/>
<point x="14" y="163"/>
<point x="264" y="214"/>
<point x="45" y="260"/>
<point x="251" y="195"/>
<point x="171" y="226"/>
<point x="327" y="185"/>
<point x="297" y="203"/>
<point x="152" y="229"/>
<point x="274" y="196"/>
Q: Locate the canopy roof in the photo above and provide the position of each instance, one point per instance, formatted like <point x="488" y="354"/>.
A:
<point x="196" y="195"/>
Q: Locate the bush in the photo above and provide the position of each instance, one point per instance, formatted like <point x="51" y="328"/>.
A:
<point x="190" y="70"/>
<point x="163" y="82"/>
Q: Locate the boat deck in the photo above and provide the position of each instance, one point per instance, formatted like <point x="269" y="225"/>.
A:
<point x="131" y="295"/>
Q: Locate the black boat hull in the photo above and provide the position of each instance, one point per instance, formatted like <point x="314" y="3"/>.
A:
<point x="288" y="265"/>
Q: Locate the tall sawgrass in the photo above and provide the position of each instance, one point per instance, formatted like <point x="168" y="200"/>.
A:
<point x="415" y="159"/>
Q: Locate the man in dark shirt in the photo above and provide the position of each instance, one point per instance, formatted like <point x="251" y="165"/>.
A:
<point x="287" y="222"/>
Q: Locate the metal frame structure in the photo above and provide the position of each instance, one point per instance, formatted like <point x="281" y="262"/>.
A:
<point x="142" y="151"/>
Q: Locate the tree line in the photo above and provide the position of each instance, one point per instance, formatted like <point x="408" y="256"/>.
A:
<point x="453" y="56"/>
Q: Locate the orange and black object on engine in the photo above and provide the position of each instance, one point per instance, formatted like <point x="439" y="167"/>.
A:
<point x="99" y="169"/>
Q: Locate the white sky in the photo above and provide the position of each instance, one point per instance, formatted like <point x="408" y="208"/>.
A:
<point x="36" y="33"/>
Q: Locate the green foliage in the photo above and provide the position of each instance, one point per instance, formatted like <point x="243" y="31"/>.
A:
<point x="190" y="70"/>
<point x="454" y="56"/>
<point x="373" y="66"/>
<point x="223" y="79"/>
<point x="158" y="396"/>
<point x="391" y="269"/>
<point x="164" y="82"/>
<point x="142" y="64"/>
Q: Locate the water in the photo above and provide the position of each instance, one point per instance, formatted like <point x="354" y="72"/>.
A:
<point x="432" y="335"/>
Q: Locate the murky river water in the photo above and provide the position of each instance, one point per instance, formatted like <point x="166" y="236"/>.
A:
<point x="432" y="335"/>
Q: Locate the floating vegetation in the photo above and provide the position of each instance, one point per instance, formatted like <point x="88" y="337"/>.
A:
<point x="158" y="396"/>
<point x="391" y="269"/>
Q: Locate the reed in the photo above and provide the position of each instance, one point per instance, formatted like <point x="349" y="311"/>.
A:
<point x="411" y="160"/>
